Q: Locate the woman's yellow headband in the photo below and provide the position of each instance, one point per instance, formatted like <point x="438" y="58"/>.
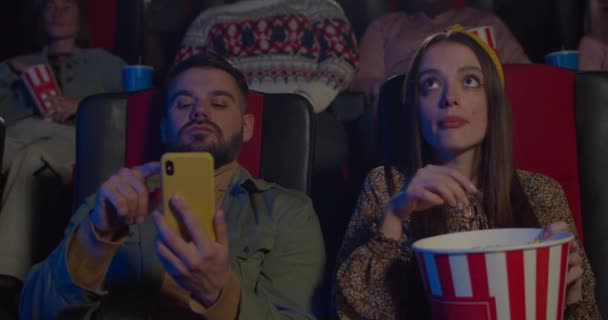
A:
<point x="491" y="52"/>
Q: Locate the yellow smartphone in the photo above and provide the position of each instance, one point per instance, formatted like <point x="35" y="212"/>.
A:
<point x="191" y="176"/>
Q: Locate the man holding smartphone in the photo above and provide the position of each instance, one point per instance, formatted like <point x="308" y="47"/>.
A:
<point x="265" y="263"/>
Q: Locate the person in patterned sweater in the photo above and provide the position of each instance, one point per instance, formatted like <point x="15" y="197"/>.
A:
<point x="449" y="169"/>
<point x="282" y="46"/>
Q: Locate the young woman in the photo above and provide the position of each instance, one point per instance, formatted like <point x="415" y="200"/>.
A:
<point x="450" y="169"/>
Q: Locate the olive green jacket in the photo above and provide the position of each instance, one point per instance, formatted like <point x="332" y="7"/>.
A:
<point x="276" y="248"/>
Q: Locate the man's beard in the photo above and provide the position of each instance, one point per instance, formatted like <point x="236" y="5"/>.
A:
<point x="223" y="152"/>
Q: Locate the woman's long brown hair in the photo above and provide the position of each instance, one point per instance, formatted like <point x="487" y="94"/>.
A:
<point x="504" y="200"/>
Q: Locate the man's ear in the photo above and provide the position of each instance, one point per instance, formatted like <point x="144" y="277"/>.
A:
<point x="248" y="123"/>
<point x="163" y="130"/>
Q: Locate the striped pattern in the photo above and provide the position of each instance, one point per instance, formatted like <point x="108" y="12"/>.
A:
<point x="517" y="285"/>
<point x="42" y="86"/>
<point x="486" y="33"/>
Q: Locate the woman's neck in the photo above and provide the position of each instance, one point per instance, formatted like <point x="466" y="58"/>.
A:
<point x="62" y="46"/>
<point x="466" y="163"/>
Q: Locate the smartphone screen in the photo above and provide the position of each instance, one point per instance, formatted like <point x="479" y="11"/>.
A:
<point x="191" y="176"/>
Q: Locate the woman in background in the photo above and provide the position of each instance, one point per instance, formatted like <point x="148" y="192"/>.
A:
<point x="449" y="169"/>
<point x="34" y="144"/>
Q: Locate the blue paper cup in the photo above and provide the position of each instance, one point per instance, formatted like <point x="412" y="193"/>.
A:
<point x="137" y="78"/>
<point x="567" y="59"/>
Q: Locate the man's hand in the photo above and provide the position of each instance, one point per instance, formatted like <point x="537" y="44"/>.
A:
<point x="201" y="266"/>
<point x="123" y="199"/>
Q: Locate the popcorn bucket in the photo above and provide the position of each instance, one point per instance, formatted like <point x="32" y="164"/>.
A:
<point x="495" y="274"/>
<point x="486" y="33"/>
<point x="41" y="84"/>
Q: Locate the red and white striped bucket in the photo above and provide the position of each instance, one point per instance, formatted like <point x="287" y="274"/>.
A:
<point x="42" y="86"/>
<point x="486" y="33"/>
<point x="495" y="274"/>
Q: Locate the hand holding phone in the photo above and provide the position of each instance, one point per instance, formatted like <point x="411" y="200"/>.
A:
<point x="191" y="176"/>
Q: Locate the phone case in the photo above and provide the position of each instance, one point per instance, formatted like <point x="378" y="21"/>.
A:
<point x="191" y="176"/>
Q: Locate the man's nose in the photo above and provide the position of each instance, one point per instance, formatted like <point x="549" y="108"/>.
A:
<point x="200" y="111"/>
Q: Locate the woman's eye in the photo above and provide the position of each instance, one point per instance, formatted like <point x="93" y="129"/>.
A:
<point x="429" y="84"/>
<point x="471" y="82"/>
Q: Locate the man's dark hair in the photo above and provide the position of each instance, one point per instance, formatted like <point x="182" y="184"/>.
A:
<point x="206" y="60"/>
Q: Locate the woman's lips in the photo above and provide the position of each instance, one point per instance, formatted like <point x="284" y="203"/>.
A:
<point x="452" y="122"/>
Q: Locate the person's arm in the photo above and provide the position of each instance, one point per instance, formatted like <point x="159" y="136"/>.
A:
<point x="372" y="69"/>
<point x="553" y="207"/>
<point x="10" y="99"/>
<point x="226" y="307"/>
<point x="292" y="271"/>
<point x="72" y="275"/>
<point x="111" y="66"/>
<point x="108" y="68"/>
<point x="338" y="60"/>
<point x="50" y="288"/>
<point x="367" y="257"/>
<point x="591" y="54"/>
<point x="509" y="49"/>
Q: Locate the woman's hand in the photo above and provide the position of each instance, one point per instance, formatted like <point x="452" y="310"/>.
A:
<point x="64" y="108"/>
<point x="18" y="64"/>
<point x="431" y="186"/>
<point x="574" y="277"/>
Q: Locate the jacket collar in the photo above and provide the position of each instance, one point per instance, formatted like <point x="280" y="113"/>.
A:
<point x="244" y="182"/>
<point x="76" y="58"/>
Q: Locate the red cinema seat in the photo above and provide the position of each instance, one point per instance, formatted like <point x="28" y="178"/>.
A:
<point x="116" y="130"/>
<point x="544" y="128"/>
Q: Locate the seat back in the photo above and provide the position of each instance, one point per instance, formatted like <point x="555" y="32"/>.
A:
<point x="115" y="130"/>
<point x="100" y="142"/>
<point x="544" y="135"/>
<point x="2" y="141"/>
<point x="288" y="140"/>
<point x="592" y="133"/>
<point x="389" y="105"/>
<point x="544" y="132"/>
<point x="102" y="18"/>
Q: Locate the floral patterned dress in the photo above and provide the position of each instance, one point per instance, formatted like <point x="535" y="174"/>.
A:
<point x="377" y="277"/>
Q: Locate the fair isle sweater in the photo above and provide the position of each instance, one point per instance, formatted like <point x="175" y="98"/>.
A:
<point x="305" y="47"/>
